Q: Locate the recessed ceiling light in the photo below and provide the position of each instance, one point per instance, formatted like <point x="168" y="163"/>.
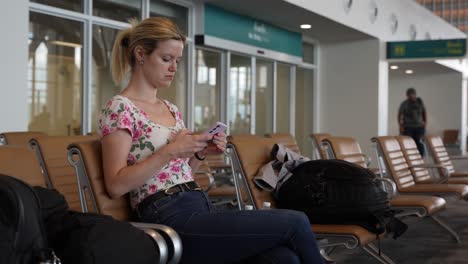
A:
<point x="306" y="26"/>
<point x="409" y="72"/>
<point x="394" y="67"/>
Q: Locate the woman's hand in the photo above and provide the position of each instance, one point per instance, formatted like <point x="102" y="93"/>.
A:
<point x="184" y="144"/>
<point x="216" y="146"/>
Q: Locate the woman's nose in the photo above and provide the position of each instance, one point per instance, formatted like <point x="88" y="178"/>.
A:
<point x="173" y="67"/>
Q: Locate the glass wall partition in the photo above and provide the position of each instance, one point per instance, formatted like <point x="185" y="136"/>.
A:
<point x="102" y="87"/>
<point x="69" y="81"/>
<point x="55" y="75"/>
<point x="264" y="97"/>
<point x="283" y="98"/>
<point x="65" y="80"/>
<point x="207" y="89"/>
<point x="304" y="109"/>
<point x="239" y="111"/>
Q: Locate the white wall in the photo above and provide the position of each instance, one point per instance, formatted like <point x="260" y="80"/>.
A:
<point x="441" y="94"/>
<point x="13" y="67"/>
<point x="349" y="90"/>
<point x="407" y="12"/>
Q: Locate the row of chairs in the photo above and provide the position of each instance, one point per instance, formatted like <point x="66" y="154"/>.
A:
<point x="251" y="152"/>
<point x="84" y="189"/>
<point x="248" y="153"/>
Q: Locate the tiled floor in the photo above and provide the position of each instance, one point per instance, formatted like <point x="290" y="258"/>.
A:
<point x="424" y="242"/>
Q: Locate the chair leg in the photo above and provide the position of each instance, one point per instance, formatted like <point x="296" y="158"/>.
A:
<point x="446" y="227"/>
<point x="325" y="256"/>
<point x="373" y="251"/>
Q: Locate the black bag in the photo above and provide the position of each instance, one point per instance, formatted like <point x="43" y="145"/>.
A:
<point x="23" y="238"/>
<point x="84" y="238"/>
<point x="339" y="192"/>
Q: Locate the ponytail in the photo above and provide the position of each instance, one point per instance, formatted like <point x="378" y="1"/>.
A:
<point x="120" y="56"/>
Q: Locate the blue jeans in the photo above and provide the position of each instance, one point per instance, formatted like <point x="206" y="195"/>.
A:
<point x="416" y="133"/>
<point x="211" y="236"/>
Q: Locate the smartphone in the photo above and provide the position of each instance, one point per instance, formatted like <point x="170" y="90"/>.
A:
<point x="217" y="128"/>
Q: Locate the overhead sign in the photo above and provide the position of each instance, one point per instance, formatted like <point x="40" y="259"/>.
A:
<point x="426" y="49"/>
<point x="230" y="26"/>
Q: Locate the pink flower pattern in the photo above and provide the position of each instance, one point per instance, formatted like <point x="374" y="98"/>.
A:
<point x="147" y="137"/>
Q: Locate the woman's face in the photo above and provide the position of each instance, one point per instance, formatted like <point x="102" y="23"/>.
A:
<point x="160" y="66"/>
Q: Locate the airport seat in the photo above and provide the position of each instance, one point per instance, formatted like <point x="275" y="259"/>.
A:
<point x="51" y="151"/>
<point x="285" y="139"/>
<point x="396" y="166"/>
<point x="436" y="149"/>
<point x="222" y="187"/>
<point x="348" y="149"/>
<point x="86" y="158"/>
<point x="450" y="137"/>
<point x="318" y="151"/>
<point x="19" y="138"/>
<point x="21" y="163"/>
<point x="345" y="148"/>
<point x="251" y="153"/>
<point x="419" y="168"/>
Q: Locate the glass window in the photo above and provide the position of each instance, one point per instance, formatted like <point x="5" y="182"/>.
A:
<point x="264" y="98"/>
<point x="121" y="10"/>
<point x="239" y="111"/>
<point x="103" y="87"/>
<point x="304" y="109"/>
<point x="74" y="5"/>
<point x="308" y="53"/>
<point x="178" y="14"/>
<point x="207" y="89"/>
<point x="55" y="75"/>
<point x="283" y="104"/>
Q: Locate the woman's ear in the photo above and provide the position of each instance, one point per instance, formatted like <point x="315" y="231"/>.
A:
<point x="139" y="53"/>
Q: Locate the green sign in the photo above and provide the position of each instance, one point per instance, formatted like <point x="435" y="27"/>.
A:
<point x="426" y="49"/>
<point x="226" y="25"/>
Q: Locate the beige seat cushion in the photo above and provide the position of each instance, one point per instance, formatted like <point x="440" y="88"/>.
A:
<point x="458" y="189"/>
<point x="363" y="235"/>
<point x="432" y="204"/>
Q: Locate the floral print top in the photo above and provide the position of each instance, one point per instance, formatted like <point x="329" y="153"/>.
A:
<point x="147" y="137"/>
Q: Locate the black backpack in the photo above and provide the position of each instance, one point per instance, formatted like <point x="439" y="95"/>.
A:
<point x="23" y="238"/>
<point x="87" y="238"/>
<point x="339" y="192"/>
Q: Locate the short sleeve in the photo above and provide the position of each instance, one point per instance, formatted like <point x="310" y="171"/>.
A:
<point x="423" y="107"/>
<point x="402" y="106"/>
<point x="115" y="115"/>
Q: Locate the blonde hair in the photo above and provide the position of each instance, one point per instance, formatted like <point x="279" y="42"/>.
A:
<point x="145" y="34"/>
